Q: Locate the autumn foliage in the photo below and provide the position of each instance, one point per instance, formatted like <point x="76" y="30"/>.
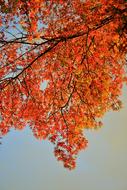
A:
<point x="62" y="67"/>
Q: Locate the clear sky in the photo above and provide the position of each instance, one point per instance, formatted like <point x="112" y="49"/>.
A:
<point x="29" y="164"/>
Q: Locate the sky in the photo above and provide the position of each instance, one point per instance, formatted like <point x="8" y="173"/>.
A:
<point x="29" y="164"/>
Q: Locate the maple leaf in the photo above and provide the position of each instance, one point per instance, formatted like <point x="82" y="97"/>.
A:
<point x="78" y="49"/>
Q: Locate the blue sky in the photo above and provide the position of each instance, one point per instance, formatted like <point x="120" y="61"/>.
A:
<point x="29" y="164"/>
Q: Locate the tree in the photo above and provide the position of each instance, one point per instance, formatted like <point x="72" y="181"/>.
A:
<point x="62" y="66"/>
